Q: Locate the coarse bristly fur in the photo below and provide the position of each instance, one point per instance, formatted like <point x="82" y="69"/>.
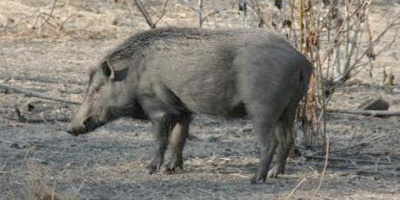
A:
<point x="168" y="74"/>
<point x="168" y="37"/>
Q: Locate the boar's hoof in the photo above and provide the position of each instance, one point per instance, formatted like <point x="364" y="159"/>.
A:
<point x="151" y="169"/>
<point x="170" y="167"/>
<point x="275" y="171"/>
<point x="175" y="162"/>
<point x="258" y="178"/>
<point x="74" y="131"/>
<point x="154" y="166"/>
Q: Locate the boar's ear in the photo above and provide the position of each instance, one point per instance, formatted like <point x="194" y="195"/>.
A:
<point x="108" y="70"/>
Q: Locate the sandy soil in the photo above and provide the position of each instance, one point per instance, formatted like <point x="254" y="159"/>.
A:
<point x="220" y="159"/>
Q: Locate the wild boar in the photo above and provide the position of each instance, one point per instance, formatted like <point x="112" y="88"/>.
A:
<point x="168" y="74"/>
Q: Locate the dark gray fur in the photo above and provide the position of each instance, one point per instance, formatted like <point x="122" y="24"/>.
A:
<point x="168" y="74"/>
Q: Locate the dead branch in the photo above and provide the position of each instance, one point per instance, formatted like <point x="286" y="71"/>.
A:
<point x="38" y="120"/>
<point x="145" y="14"/>
<point x="338" y="159"/>
<point x="35" y="94"/>
<point x="373" y="113"/>
<point x="367" y="169"/>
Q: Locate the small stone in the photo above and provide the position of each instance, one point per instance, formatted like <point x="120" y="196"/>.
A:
<point x="27" y="107"/>
<point x="247" y="130"/>
<point x="19" y="146"/>
<point x="39" y="161"/>
<point x="374" y="104"/>
<point x="213" y="139"/>
<point x="15" y="146"/>
<point x="193" y="138"/>
<point x="117" y="21"/>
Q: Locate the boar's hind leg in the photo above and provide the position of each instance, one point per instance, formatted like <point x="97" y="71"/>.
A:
<point x="263" y="128"/>
<point x="284" y="136"/>
<point x="178" y="135"/>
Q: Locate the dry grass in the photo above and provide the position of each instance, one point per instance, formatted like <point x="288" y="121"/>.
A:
<point x="37" y="186"/>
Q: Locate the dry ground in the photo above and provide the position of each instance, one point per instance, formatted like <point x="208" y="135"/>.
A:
<point x="109" y="163"/>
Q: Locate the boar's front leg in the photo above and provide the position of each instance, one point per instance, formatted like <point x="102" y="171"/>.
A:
<point x="177" y="139"/>
<point x="160" y="130"/>
<point x="161" y="121"/>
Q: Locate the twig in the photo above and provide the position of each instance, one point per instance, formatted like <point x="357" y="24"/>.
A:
<point x="294" y="189"/>
<point x="200" y="13"/>
<point x="35" y="94"/>
<point x="79" y="188"/>
<point x="146" y="15"/>
<point x="325" y="166"/>
<point x="204" y="191"/>
<point x="50" y="14"/>
<point x="53" y="192"/>
<point x="374" y="113"/>
<point x="210" y="14"/>
<point x="190" y="6"/>
<point x="20" y="117"/>
<point x="162" y="13"/>
<point x="57" y="26"/>
<point x="42" y="117"/>
<point x="255" y="6"/>
<point x="68" y="18"/>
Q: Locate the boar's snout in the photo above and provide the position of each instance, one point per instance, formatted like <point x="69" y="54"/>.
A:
<point x="75" y="128"/>
<point x="75" y="131"/>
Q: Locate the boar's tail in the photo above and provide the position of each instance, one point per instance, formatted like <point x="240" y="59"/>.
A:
<point x="305" y="77"/>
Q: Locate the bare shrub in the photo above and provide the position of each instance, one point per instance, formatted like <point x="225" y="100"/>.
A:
<point x="336" y="37"/>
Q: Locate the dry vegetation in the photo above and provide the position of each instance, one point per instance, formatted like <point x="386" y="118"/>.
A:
<point x="47" y="46"/>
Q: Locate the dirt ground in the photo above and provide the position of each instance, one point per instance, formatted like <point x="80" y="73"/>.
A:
<point x="220" y="159"/>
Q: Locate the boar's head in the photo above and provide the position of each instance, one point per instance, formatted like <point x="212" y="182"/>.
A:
<point x="110" y="95"/>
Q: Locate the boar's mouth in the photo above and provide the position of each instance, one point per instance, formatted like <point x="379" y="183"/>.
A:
<point x="87" y="126"/>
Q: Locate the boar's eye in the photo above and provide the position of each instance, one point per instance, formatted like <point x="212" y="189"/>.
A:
<point x="95" y="90"/>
